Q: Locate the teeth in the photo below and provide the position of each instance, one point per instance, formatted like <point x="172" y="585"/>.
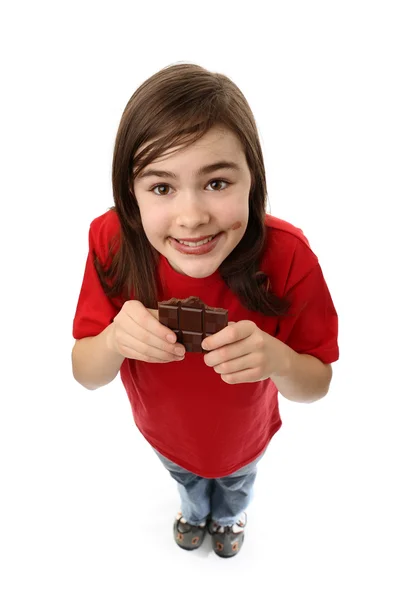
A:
<point x="194" y="244"/>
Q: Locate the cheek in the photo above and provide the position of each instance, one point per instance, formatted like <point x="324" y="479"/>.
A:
<point x="239" y="216"/>
<point x="155" y="222"/>
<point x="236" y="225"/>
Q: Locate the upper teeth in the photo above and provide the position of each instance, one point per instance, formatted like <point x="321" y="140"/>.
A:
<point x="197" y="243"/>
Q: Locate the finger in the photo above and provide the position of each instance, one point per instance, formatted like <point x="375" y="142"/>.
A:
<point x="166" y="332"/>
<point x="147" y="318"/>
<point x="238" y="364"/>
<point x="150" y="331"/>
<point x="245" y="376"/>
<point x="129" y="353"/>
<point x="229" y="352"/>
<point x="148" y="345"/>
<point x="230" y="334"/>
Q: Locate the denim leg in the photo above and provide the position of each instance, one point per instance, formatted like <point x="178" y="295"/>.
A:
<point x="233" y="494"/>
<point x="195" y="492"/>
<point x="195" y="495"/>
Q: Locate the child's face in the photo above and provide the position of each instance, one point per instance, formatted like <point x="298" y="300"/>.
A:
<point x="193" y="206"/>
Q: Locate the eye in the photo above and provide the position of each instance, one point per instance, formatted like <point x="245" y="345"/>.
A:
<point x="219" y="181"/>
<point x="160" y="185"/>
<point x="165" y="185"/>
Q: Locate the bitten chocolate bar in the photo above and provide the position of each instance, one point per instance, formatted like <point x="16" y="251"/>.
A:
<point x="191" y="320"/>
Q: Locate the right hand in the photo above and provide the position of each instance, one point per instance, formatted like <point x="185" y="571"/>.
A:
<point x="137" y="333"/>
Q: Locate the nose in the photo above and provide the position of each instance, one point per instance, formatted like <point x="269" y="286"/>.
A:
<point x="192" y="212"/>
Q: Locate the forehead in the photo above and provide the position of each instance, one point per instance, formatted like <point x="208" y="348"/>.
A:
<point x="219" y="142"/>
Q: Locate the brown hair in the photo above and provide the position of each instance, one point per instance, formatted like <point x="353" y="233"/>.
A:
<point x="178" y="105"/>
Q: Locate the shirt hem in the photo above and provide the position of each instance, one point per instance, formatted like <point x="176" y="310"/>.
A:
<point x="212" y="474"/>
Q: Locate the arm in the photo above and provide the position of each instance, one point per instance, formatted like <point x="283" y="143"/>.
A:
<point x="94" y="364"/>
<point x="306" y="378"/>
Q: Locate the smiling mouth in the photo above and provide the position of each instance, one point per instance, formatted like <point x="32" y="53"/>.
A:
<point x="202" y="246"/>
<point x="196" y="242"/>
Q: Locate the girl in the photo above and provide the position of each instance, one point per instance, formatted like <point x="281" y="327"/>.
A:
<point x="190" y="220"/>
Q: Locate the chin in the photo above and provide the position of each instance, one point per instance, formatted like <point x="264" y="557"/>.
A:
<point x="195" y="271"/>
<point x="203" y="274"/>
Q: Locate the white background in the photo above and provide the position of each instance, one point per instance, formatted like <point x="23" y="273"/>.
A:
<point x="86" y="507"/>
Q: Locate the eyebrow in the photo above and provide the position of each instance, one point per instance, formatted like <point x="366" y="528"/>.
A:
<point x="202" y="171"/>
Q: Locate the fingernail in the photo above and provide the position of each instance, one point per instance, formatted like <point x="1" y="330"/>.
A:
<point x="171" y="338"/>
<point x="180" y="351"/>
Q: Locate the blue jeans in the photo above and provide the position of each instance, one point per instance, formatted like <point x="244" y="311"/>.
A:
<point x="224" y="499"/>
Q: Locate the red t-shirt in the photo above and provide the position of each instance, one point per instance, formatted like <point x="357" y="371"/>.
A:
<point x="184" y="409"/>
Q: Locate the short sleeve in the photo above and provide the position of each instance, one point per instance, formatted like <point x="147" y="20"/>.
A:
<point x="312" y="327"/>
<point x="94" y="311"/>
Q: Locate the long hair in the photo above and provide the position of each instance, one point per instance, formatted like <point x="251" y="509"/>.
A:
<point x="177" y="106"/>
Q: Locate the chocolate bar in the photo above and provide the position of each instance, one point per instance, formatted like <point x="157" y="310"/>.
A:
<point x="191" y="320"/>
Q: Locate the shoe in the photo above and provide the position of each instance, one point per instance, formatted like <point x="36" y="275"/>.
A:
<point x="187" y="536"/>
<point x="227" y="541"/>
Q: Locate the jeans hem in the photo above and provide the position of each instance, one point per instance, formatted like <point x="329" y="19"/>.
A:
<point x="195" y="524"/>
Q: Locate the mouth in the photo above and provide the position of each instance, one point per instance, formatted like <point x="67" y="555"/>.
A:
<point x="200" y="245"/>
<point x="195" y="241"/>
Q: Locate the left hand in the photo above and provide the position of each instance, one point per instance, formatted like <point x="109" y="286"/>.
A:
<point x="243" y="353"/>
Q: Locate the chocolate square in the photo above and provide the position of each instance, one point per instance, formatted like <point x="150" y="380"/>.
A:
<point x="191" y="320"/>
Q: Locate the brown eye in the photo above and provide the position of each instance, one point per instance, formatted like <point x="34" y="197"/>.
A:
<point x="161" y="185"/>
<point x="218" y="181"/>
